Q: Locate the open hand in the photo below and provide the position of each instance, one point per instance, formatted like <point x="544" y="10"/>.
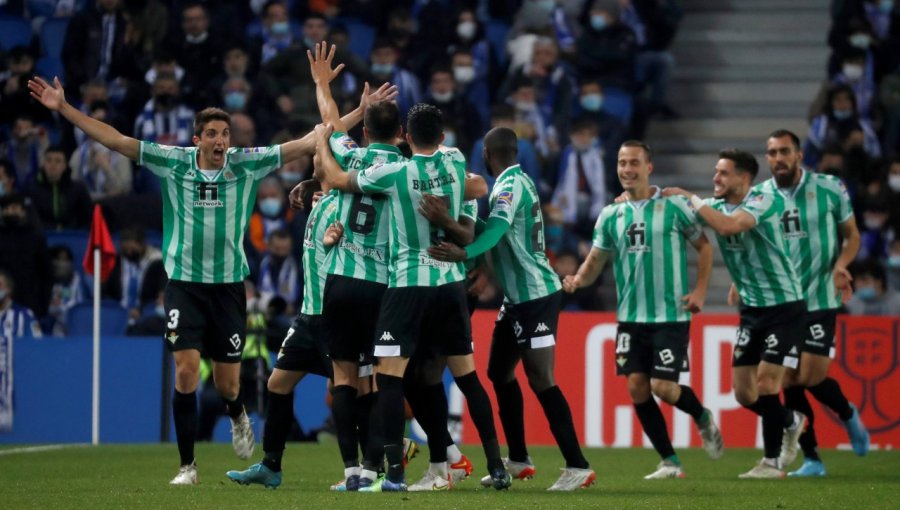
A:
<point x="320" y="64"/>
<point x="386" y="92"/>
<point x="51" y="96"/>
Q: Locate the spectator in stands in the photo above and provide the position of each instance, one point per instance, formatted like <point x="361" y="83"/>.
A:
<point x="871" y="295"/>
<point x="152" y="322"/>
<point x="138" y="275"/>
<point x="470" y="84"/>
<point x="462" y="123"/>
<point x="530" y="122"/>
<point x="25" y="149"/>
<point x="15" y="318"/>
<point x="855" y="74"/>
<point x="165" y="119"/>
<point x="276" y="35"/>
<point x="164" y="63"/>
<point x="889" y="98"/>
<point x="7" y="178"/>
<point x="93" y="45"/>
<point x="384" y="67"/>
<point x="279" y="273"/>
<point x="55" y="8"/>
<point x="105" y="173"/>
<point x="654" y="24"/>
<point x="14" y="96"/>
<point x="503" y="115"/>
<point x="607" y="48"/>
<point x="96" y="91"/>
<point x="534" y="18"/>
<point x="23" y="252"/>
<point x="472" y="60"/>
<point x="199" y="52"/>
<point x="842" y="125"/>
<point x="243" y="130"/>
<point x="67" y="291"/>
<point x="610" y="129"/>
<point x="893" y="263"/>
<point x="60" y="201"/>
<point x="874" y="230"/>
<point x="580" y="191"/>
<point x="893" y="185"/>
<point x="271" y="213"/>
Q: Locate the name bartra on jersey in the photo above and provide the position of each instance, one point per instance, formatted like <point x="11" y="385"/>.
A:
<point x="437" y="182"/>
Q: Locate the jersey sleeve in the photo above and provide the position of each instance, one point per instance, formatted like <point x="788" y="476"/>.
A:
<point x="343" y="147"/>
<point x="378" y="178"/>
<point x="844" y="209"/>
<point x="469" y="210"/>
<point x="686" y="218"/>
<point x="759" y="205"/>
<point x="505" y="200"/>
<point x="603" y="229"/>
<point x="258" y="161"/>
<point x="157" y="158"/>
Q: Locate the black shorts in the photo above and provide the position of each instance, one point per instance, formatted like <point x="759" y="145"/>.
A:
<point x="208" y="317"/>
<point x="304" y="348"/>
<point x="529" y="325"/>
<point x="819" y="335"/>
<point x="351" y="308"/>
<point x="660" y="350"/>
<point x="438" y="316"/>
<point x="772" y="334"/>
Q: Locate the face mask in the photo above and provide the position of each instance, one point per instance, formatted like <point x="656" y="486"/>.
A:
<point x="860" y="41"/>
<point x="165" y="100"/>
<point x="894" y="182"/>
<point x="886" y="6"/>
<point x="235" y="100"/>
<point x="866" y="293"/>
<point x="309" y="42"/>
<point x="290" y="177"/>
<point x="598" y="22"/>
<point x="853" y="72"/>
<point x="893" y="261"/>
<point x="592" y="102"/>
<point x="843" y="114"/>
<point x="270" y="207"/>
<point x="582" y="147"/>
<point x="280" y="28"/>
<point x="3" y="294"/>
<point x="382" y="69"/>
<point x="160" y="311"/>
<point x="873" y="223"/>
<point x="546" y="5"/>
<point x="442" y="97"/>
<point x="449" y="139"/>
<point x="466" y="30"/>
<point x="525" y="107"/>
<point x="196" y="39"/>
<point x="62" y="269"/>
<point x="464" y="74"/>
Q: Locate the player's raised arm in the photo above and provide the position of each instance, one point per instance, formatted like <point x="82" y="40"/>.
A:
<point x="723" y="224"/>
<point x="320" y="59"/>
<point x="54" y="98"/>
<point x="588" y="272"/>
<point x="327" y="169"/>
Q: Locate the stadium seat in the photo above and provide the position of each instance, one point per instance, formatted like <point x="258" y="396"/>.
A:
<point x="53" y="35"/>
<point x="497" y="32"/>
<point x="618" y="102"/>
<point x="49" y="67"/>
<point x="362" y="36"/>
<point x="113" y="319"/>
<point x="14" y="32"/>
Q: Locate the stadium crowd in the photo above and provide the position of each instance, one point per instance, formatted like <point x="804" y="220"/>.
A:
<point x="573" y="79"/>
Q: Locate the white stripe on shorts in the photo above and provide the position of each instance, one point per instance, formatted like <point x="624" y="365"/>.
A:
<point x="543" y="341"/>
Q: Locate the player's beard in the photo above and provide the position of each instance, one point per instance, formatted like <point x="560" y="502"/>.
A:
<point x="786" y="180"/>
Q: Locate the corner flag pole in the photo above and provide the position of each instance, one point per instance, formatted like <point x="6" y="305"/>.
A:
<point x="95" y="384"/>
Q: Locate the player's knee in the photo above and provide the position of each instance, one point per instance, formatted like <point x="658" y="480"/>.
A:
<point x="745" y="397"/>
<point x="500" y="377"/>
<point x="278" y="386"/>
<point x="228" y="388"/>
<point x="664" y="389"/>
<point x="186" y="379"/>
<point x="541" y="381"/>
<point x="639" y="389"/>
<point x="768" y="385"/>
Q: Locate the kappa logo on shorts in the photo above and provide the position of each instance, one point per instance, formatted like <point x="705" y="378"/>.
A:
<point x="387" y="337"/>
<point x="235" y="341"/>
<point x="541" y="328"/>
<point x="517" y="328"/>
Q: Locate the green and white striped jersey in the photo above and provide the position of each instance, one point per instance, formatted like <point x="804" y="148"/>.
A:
<point x="362" y="252"/>
<point x="648" y="239"/>
<point x="442" y="174"/>
<point x="521" y="266"/>
<point x="323" y="214"/>
<point x="205" y="212"/>
<point x="758" y="258"/>
<point x="469" y="210"/>
<point x="810" y="214"/>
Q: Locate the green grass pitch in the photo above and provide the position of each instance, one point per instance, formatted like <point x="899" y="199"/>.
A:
<point x="137" y="476"/>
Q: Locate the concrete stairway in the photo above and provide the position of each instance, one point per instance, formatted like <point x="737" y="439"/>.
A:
<point x="744" y="68"/>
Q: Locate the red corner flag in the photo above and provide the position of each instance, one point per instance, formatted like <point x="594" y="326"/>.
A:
<point x="100" y="238"/>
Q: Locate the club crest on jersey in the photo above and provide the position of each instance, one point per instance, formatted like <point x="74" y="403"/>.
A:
<point x="229" y="175"/>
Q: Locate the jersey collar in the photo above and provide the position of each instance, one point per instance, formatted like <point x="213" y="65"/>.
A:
<point x="195" y="163"/>
<point x="384" y="147"/>
<point x="512" y="168"/>
<point x="792" y="191"/>
<point x="637" y="204"/>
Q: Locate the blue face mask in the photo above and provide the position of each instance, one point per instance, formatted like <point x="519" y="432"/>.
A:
<point x="886" y="6"/>
<point x="160" y="310"/>
<point x="270" y="207"/>
<point x="866" y="293"/>
<point x="598" y="22"/>
<point x="449" y="139"/>
<point x="592" y="102"/>
<point x="893" y="261"/>
<point x="290" y="177"/>
<point x="382" y="69"/>
<point x="843" y="114"/>
<point x="280" y="28"/>
<point x="235" y="100"/>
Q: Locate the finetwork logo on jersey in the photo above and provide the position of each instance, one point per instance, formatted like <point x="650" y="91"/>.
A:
<point x="208" y="195"/>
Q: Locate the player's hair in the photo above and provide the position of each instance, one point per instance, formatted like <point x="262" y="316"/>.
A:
<point x="194" y="5"/>
<point x="315" y="15"/>
<point x="279" y="233"/>
<point x="834" y="91"/>
<point x="781" y="133"/>
<point x="743" y="161"/>
<point x="425" y="124"/>
<point x="207" y="115"/>
<point x="642" y="145"/>
<point x="382" y="120"/>
<point x="502" y="144"/>
<point x="133" y="233"/>
<point x="270" y="4"/>
<point x="582" y="123"/>
<point x="56" y="148"/>
<point x="871" y="267"/>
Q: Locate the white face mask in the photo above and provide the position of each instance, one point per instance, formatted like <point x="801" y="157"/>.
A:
<point x="861" y="40"/>
<point x="894" y="182"/>
<point x="466" y="30"/>
<point x="464" y="74"/>
<point x="853" y="71"/>
<point x="442" y="97"/>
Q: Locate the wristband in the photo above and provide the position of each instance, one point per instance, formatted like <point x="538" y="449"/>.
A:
<point x="697" y="202"/>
